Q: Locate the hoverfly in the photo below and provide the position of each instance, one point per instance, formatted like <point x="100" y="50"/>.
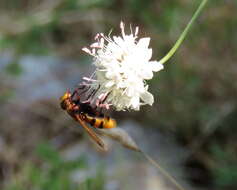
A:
<point x="84" y="113"/>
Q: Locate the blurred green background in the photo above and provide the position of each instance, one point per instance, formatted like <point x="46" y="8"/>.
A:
<point x="195" y="95"/>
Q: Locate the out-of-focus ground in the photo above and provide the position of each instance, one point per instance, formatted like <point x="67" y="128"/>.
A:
<point x="190" y="130"/>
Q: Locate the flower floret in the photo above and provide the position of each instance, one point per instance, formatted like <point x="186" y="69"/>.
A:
<point x="122" y="66"/>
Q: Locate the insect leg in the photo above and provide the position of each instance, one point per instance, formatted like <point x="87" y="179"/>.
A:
<point x="91" y="95"/>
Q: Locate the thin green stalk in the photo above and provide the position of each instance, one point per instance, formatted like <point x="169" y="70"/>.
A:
<point x="184" y="33"/>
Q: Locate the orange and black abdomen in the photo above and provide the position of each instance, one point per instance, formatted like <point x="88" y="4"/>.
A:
<point x="100" y="122"/>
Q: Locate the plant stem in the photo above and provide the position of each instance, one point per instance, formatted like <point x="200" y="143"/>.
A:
<point x="163" y="171"/>
<point x="184" y="33"/>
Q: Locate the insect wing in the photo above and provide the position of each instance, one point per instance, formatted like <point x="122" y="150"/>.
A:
<point x="92" y="133"/>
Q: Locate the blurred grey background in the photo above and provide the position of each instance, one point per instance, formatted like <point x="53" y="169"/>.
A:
<point x="190" y="129"/>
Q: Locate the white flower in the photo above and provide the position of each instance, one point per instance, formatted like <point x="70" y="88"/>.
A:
<point x="122" y="66"/>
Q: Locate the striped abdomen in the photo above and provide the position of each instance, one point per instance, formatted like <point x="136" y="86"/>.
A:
<point x="100" y="122"/>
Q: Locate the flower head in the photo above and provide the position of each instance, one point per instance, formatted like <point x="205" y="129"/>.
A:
<point x="122" y="67"/>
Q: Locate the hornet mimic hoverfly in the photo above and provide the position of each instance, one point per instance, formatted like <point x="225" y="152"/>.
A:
<point x="84" y="113"/>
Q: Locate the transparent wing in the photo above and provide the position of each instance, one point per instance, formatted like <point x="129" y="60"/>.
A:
<point x="91" y="133"/>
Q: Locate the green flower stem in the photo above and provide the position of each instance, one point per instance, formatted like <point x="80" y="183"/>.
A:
<point x="184" y="33"/>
